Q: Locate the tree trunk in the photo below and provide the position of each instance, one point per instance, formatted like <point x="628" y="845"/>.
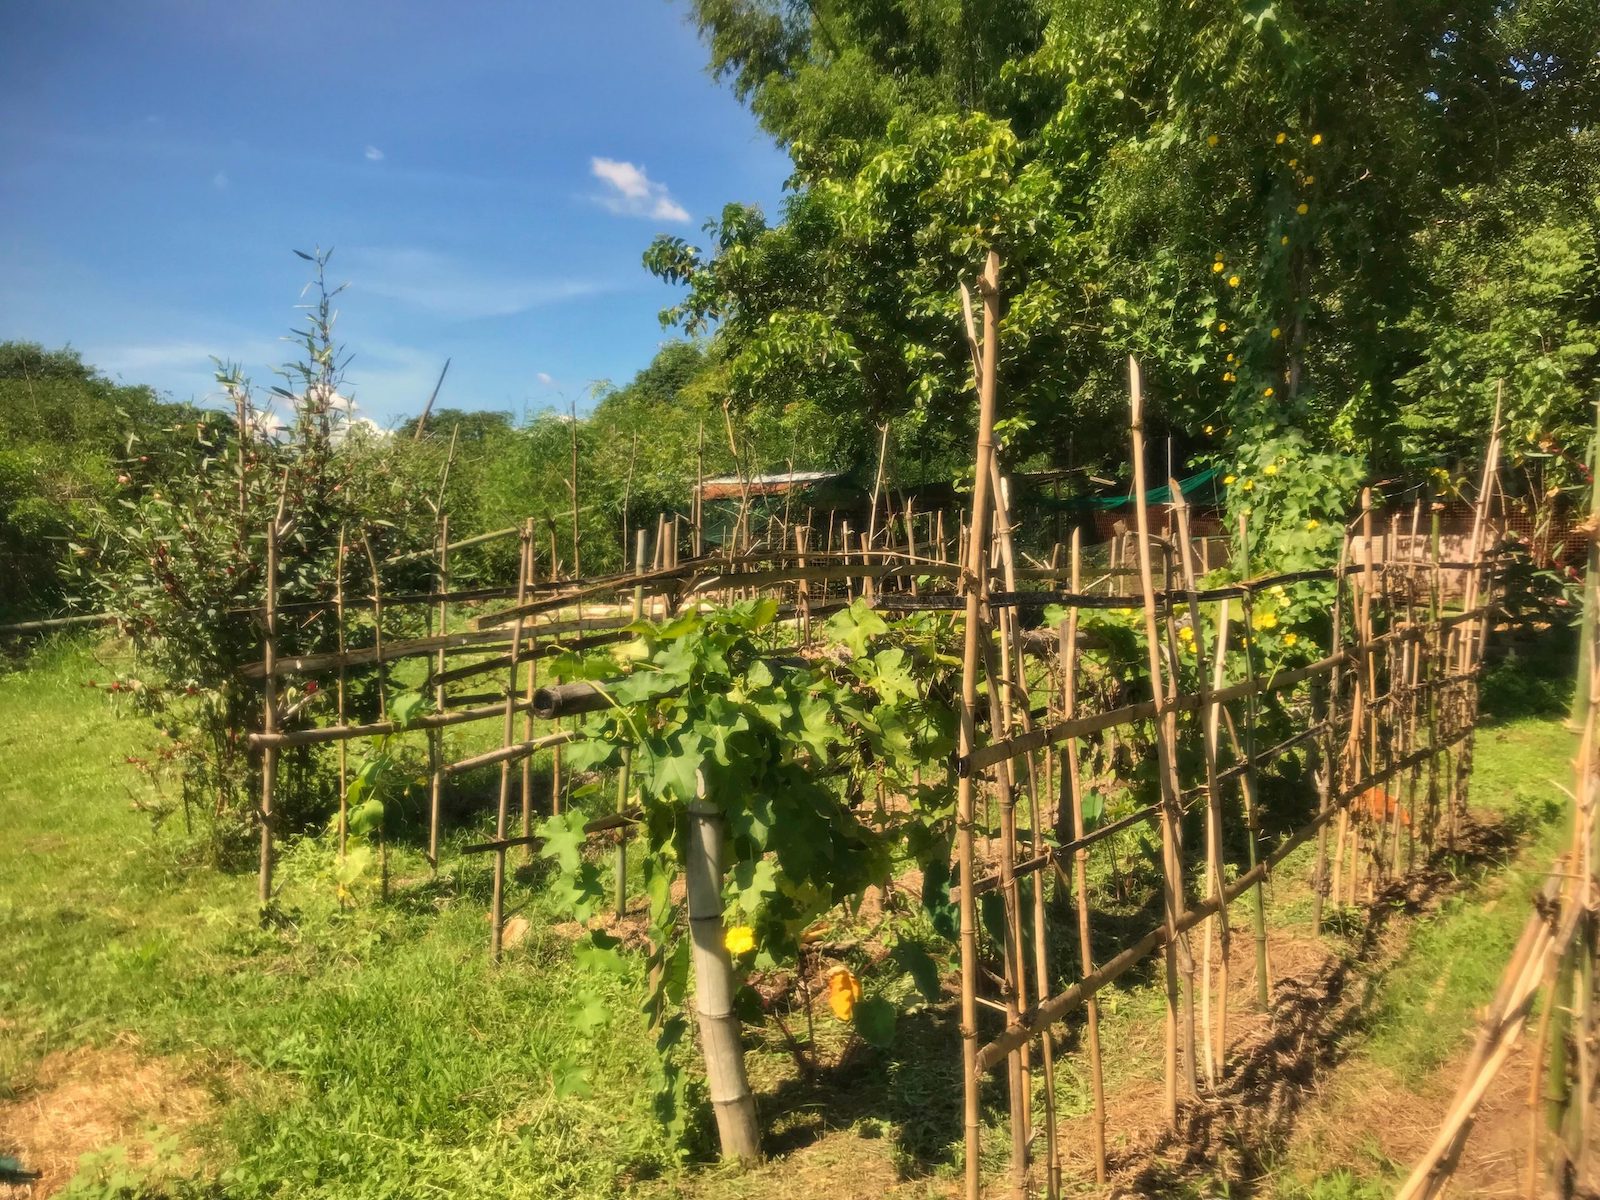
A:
<point x="731" y="1100"/>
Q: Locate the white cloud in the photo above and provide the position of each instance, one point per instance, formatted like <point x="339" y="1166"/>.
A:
<point x="374" y="154"/>
<point x="220" y="181"/>
<point x="632" y="193"/>
<point x="545" y="378"/>
<point x="447" y="287"/>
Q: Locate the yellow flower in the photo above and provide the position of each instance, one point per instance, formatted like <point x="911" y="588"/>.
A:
<point x="1216" y="267"/>
<point x="1270" y="469"/>
<point x="1276" y="333"/>
<point x="1222" y="327"/>
<point x="1284" y="240"/>
<point x="844" y="990"/>
<point x="1208" y="431"/>
<point x="1302" y="209"/>
<point x="1268" y="393"/>
<point x="1294" y="162"/>
<point x="1266" y="619"/>
<point x="1281" y="138"/>
<point x="740" y="939"/>
<point x="1290" y="639"/>
<point x="1212" y="140"/>
<point x="1229" y="377"/>
<point x="1230" y="358"/>
<point x="1309" y="180"/>
<point x="1233" y="281"/>
<point x="1186" y="634"/>
<point x="1226" y="479"/>
<point x="1249" y="485"/>
<point x="1316" y="139"/>
<point x="1313" y="524"/>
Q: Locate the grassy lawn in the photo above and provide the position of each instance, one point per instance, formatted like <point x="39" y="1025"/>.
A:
<point x="374" y="1052"/>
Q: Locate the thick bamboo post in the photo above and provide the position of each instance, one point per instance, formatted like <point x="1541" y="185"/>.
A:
<point x="531" y="685"/>
<point x="1080" y="859"/>
<point x="572" y="427"/>
<point x="974" y="576"/>
<point x="1176" y="945"/>
<point x="376" y="578"/>
<point x="497" y="900"/>
<point x="1247" y="781"/>
<point x="727" y="1083"/>
<point x="1328" y="781"/>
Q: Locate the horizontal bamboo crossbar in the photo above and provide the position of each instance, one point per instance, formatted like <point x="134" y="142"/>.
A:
<point x="346" y="733"/>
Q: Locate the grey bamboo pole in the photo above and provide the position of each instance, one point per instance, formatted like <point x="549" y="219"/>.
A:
<point x="624" y="772"/>
<point x="531" y="572"/>
<point x="435" y="736"/>
<point x="729" y="1087"/>
<point x="1247" y="780"/>
<point x="1176" y="945"/>
<point x="269" y="720"/>
<point x="973" y="633"/>
<point x="383" y="694"/>
<point x="340" y="685"/>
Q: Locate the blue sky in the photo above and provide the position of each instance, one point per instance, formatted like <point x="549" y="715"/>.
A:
<point x="488" y="173"/>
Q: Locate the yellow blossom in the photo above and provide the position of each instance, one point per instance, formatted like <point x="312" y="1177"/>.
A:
<point x="1313" y="524"/>
<point x="1212" y="140"/>
<point x="1233" y="281"/>
<point x="1186" y="634"/>
<point x="1208" y="431"/>
<point x="1294" y="162"/>
<point x="740" y="939"/>
<point x="1216" y="267"/>
<point x="1276" y="333"/>
<point x="1222" y="327"/>
<point x="1309" y="180"/>
<point x="844" y="990"/>
<point x="1229" y="377"/>
<point x="1265" y="619"/>
<point x="1316" y="139"/>
<point x="1302" y="209"/>
<point x="1284" y="240"/>
<point x="1230" y="358"/>
<point x="1270" y="469"/>
<point x="1290" y="639"/>
<point x="1227" y="479"/>
<point x="1268" y="393"/>
<point x="1249" y="485"/>
<point x="1281" y="138"/>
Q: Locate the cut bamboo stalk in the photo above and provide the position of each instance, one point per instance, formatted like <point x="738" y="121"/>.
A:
<point x="529" y="688"/>
<point x="625" y="770"/>
<point x="728" y="1085"/>
<point x="435" y="737"/>
<point x="269" y="720"/>
<point x="340" y="684"/>
<point x="502" y="809"/>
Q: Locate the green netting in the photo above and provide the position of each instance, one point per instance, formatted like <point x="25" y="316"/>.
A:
<point x="1205" y="481"/>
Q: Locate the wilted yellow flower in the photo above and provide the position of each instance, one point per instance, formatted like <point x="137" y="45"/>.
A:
<point x="1302" y="209"/>
<point x="844" y="990"/>
<point x="1316" y="139"/>
<point x="1290" y="639"/>
<point x="1276" y="333"/>
<point x="1270" y="469"/>
<point x="1281" y="138"/>
<point x="1268" y="393"/>
<point x="1233" y="281"/>
<point x="739" y="939"/>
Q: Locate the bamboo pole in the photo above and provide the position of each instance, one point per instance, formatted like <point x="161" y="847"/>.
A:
<point x="973" y="633"/>
<point x="269" y="721"/>
<point x="728" y="1086"/>
<point x="1080" y="860"/>
<point x="531" y="572"/>
<point x="625" y="770"/>
<point x="1175" y="945"/>
<point x="435" y="737"/>
<point x="340" y="684"/>
<point x="502" y="808"/>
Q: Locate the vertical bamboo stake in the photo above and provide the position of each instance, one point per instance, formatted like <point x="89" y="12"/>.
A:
<point x="1216" y="1065"/>
<point x="502" y="810"/>
<point x="383" y="696"/>
<point x="339" y="697"/>
<point x="1327" y="785"/>
<point x="577" y="569"/>
<point x="1247" y="781"/>
<point x="729" y="1087"/>
<point x="1177" y="944"/>
<point x="269" y="719"/>
<point x="975" y="574"/>
<point x="436" y="736"/>
<point x="531" y="572"/>
<point x="1069" y="660"/>
<point x="623" y="781"/>
<point x="699" y="504"/>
